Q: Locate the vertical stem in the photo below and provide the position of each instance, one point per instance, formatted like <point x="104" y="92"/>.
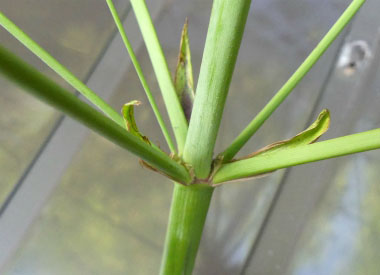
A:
<point x="190" y="203"/>
<point x="227" y="22"/>
<point x="187" y="217"/>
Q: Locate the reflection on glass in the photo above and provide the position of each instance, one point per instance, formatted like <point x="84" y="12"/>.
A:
<point x="343" y="236"/>
<point x="76" y="40"/>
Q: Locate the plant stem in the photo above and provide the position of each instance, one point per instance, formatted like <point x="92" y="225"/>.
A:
<point x="289" y="86"/>
<point x="141" y="76"/>
<point x="264" y="163"/>
<point x="160" y="66"/>
<point x="227" y="22"/>
<point x="60" y="69"/>
<point x="187" y="217"/>
<point x="48" y="91"/>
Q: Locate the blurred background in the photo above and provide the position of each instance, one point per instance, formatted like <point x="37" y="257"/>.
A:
<point x="73" y="203"/>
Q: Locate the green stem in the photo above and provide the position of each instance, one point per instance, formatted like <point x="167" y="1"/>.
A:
<point x="60" y="69"/>
<point x="289" y="86"/>
<point x="187" y="217"/>
<point x="278" y="159"/>
<point x="227" y="22"/>
<point x="48" y="91"/>
<point x="161" y="69"/>
<point x="141" y="76"/>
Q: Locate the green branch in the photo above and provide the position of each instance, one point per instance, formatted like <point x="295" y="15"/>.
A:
<point x="224" y="36"/>
<point x="187" y="217"/>
<point x="59" y="69"/>
<point x="141" y="76"/>
<point x="48" y="91"/>
<point x="287" y="157"/>
<point x="288" y="87"/>
<point x="160" y="66"/>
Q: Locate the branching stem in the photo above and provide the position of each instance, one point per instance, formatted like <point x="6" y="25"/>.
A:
<point x="48" y="91"/>
<point x="264" y="163"/>
<point x="141" y="76"/>
<point x="161" y="69"/>
<point x="289" y="86"/>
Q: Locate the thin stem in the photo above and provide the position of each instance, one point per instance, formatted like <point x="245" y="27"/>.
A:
<point x="161" y="69"/>
<point x="224" y="36"/>
<point x="187" y="217"/>
<point x="141" y="76"/>
<point x="59" y="69"/>
<point x="264" y="163"/>
<point x="288" y="87"/>
<point x="48" y="91"/>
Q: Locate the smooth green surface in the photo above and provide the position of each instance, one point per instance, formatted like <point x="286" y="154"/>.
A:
<point x="59" y="69"/>
<point x="187" y="217"/>
<point x="289" y="86"/>
<point x="49" y="92"/>
<point x="140" y="73"/>
<point x="271" y="161"/>
<point x="160" y="66"/>
<point x="224" y="36"/>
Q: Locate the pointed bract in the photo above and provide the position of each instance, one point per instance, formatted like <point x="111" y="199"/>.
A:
<point x="183" y="79"/>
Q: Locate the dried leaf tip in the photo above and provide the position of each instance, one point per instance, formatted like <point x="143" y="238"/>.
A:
<point x="183" y="79"/>
<point x="310" y="135"/>
<point x="129" y="119"/>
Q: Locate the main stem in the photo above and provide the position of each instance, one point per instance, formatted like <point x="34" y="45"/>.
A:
<point x="225" y="31"/>
<point x="190" y="203"/>
<point x="187" y="217"/>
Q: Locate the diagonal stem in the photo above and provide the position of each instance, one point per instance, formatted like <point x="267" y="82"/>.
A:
<point x="59" y="69"/>
<point x="48" y="91"/>
<point x="265" y="163"/>
<point x="141" y="76"/>
<point x="289" y="86"/>
<point x="161" y="69"/>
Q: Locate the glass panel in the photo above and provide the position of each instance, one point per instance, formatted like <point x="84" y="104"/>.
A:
<point x="108" y="216"/>
<point x="324" y="219"/>
<point x="74" y="32"/>
<point x="343" y="235"/>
